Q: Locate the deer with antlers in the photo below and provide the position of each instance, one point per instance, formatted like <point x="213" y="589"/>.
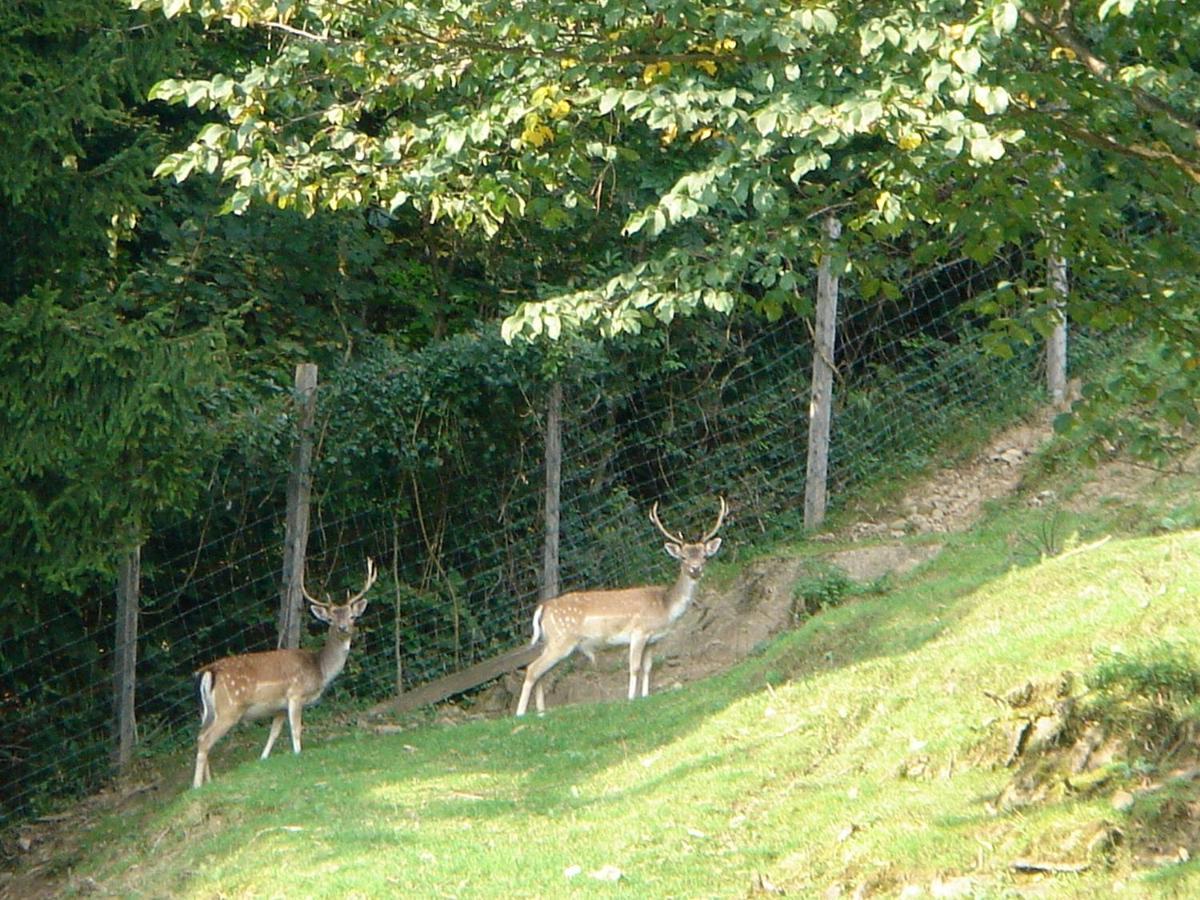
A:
<point x="275" y="682"/>
<point x="638" y="617"/>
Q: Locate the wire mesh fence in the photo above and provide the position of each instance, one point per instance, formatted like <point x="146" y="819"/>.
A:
<point x="435" y="471"/>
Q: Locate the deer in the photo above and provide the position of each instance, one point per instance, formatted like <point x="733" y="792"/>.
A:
<point x="275" y="682"/>
<point x="638" y="617"/>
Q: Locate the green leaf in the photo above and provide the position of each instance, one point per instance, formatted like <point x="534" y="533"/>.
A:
<point x="609" y="100"/>
<point x="455" y="139"/>
<point x="1005" y="17"/>
<point x="824" y="21"/>
<point x="631" y="99"/>
<point x="986" y="149"/>
<point x="480" y="130"/>
<point x="765" y="121"/>
<point x="168" y="165"/>
<point x="212" y="134"/>
<point x="870" y="37"/>
<point x="237" y="203"/>
<point x="967" y="59"/>
<point x="342" y="139"/>
<point x="195" y="91"/>
<point x="168" y="89"/>
<point x="993" y="100"/>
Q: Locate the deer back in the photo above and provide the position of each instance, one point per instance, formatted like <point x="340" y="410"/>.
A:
<point x="605" y="614"/>
<point x="258" y="684"/>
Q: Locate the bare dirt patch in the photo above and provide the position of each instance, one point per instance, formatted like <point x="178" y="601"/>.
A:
<point x="727" y="624"/>
<point x="42" y="853"/>
<point x="952" y="499"/>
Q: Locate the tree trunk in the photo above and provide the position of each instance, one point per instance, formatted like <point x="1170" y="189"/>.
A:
<point x="295" y="543"/>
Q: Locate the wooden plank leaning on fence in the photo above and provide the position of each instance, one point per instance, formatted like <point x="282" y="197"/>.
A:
<point x="457" y="682"/>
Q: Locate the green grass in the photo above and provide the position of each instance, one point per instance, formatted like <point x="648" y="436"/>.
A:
<point x="861" y="749"/>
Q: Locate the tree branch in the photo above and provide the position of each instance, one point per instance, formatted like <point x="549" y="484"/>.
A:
<point x="1104" y="142"/>
<point x="1064" y="35"/>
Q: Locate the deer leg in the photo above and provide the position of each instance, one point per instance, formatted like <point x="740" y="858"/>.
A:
<point x="294" y="711"/>
<point x="276" y="727"/>
<point x="198" y="777"/>
<point x="637" y="649"/>
<point x="647" y="663"/>
<point x="551" y="656"/>
<point x="208" y="737"/>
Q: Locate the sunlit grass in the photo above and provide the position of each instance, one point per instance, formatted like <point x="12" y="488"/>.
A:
<point x="849" y="752"/>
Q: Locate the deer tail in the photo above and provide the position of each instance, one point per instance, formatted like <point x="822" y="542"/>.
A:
<point x="204" y="688"/>
<point x="537" y="625"/>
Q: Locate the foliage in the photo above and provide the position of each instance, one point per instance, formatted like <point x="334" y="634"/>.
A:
<point x="79" y="141"/>
<point x="115" y="432"/>
<point x="404" y="175"/>
<point x="820" y="590"/>
<point x="104" y="424"/>
<point x="717" y="134"/>
<point x="1163" y="672"/>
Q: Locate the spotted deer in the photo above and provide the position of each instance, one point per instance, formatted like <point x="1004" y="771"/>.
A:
<point x="638" y="617"/>
<point x="275" y="682"/>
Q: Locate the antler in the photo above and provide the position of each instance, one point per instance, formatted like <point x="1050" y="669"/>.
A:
<point x="307" y="596"/>
<point x="720" y="518"/>
<point x="372" y="574"/>
<point x="679" y="538"/>
<point x="675" y="538"/>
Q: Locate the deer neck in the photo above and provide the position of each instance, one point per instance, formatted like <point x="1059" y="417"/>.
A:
<point x="332" y="657"/>
<point x="679" y="595"/>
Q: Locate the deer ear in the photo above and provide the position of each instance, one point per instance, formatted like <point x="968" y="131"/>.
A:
<point x="712" y="546"/>
<point x="321" y="611"/>
<point x="673" y="550"/>
<point x="358" y="608"/>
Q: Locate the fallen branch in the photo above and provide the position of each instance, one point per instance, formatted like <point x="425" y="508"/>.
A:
<point x="1086" y="547"/>
<point x="1029" y="865"/>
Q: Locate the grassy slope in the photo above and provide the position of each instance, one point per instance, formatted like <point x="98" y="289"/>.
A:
<point x="858" y="750"/>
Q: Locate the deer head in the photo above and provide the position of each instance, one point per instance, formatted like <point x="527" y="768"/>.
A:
<point x="691" y="555"/>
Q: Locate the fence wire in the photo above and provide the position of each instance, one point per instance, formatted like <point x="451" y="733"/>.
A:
<point x="457" y="535"/>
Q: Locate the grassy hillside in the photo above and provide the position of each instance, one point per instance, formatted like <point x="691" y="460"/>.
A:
<point x="921" y="741"/>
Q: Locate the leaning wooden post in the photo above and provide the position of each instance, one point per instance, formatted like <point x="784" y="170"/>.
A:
<point x="295" y="542"/>
<point x="129" y="579"/>
<point x="550" y="584"/>
<point x="821" y="402"/>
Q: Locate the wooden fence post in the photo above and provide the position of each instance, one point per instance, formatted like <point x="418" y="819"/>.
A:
<point x="821" y="403"/>
<point x="1056" y="344"/>
<point x="398" y="621"/>
<point x="295" y="542"/>
<point x="125" y="659"/>
<point x="550" y="572"/>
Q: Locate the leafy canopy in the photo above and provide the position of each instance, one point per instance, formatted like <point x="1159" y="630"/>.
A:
<point x="720" y="133"/>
